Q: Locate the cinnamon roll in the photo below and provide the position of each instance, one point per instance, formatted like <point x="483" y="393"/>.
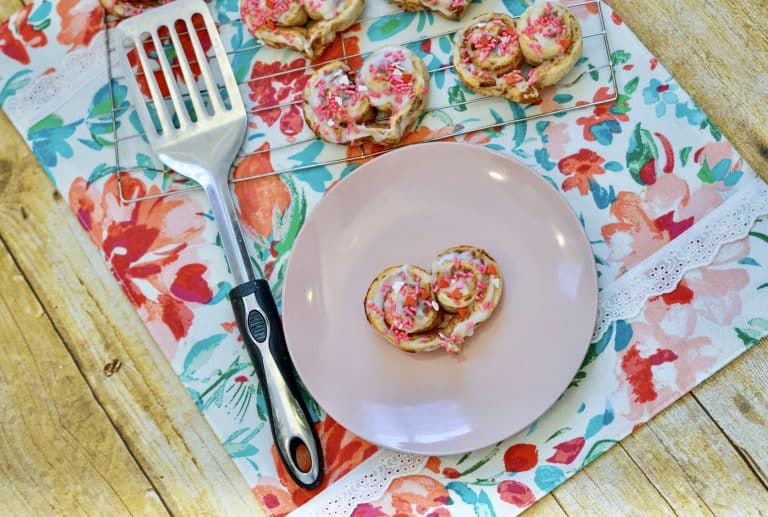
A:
<point x="451" y="9"/>
<point x="420" y="311"/>
<point x="379" y="102"/>
<point x="306" y="26"/>
<point x="551" y="40"/>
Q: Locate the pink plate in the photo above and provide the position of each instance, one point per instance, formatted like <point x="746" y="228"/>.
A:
<point x="404" y="208"/>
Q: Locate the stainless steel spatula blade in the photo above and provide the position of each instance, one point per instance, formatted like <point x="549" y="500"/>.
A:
<point x="197" y="130"/>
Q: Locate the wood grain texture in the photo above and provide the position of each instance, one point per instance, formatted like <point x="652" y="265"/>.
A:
<point x="51" y="427"/>
<point x="156" y="418"/>
<point x="716" y="49"/>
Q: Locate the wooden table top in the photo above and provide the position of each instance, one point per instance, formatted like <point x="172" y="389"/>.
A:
<point x="78" y="435"/>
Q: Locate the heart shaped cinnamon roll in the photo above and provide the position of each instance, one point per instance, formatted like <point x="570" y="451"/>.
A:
<point x="419" y="310"/>
<point x="451" y="9"/>
<point x="378" y="102"/>
<point x="490" y="52"/>
<point x="306" y="26"/>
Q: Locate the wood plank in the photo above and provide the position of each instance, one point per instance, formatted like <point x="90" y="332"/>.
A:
<point x="737" y="400"/>
<point x="693" y="464"/>
<point x="611" y="485"/>
<point x="8" y="7"/>
<point x="547" y="506"/>
<point x="50" y="424"/>
<point x="157" y="419"/>
<point x="721" y="63"/>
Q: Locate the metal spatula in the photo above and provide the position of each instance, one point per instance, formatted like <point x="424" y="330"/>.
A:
<point x="200" y="140"/>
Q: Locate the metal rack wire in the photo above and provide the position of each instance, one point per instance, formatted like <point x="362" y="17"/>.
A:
<point x="295" y="99"/>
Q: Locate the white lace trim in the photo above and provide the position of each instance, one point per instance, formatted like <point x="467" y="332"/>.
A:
<point x="365" y="483"/>
<point x="48" y="92"/>
<point x="696" y="247"/>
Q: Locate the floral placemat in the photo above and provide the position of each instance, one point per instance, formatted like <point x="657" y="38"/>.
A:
<point x="655" y="184"/>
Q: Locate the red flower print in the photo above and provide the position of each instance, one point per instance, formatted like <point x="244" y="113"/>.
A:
<point x="639" y="374"/>
<point x="342" y="451"/>
<point x="80" y="22"/>
<point x="566" y="452"/>
<point x="406" y="496"/>
<point x="12" y="47"/>
<point x="580" y="168"/>
<point x="190" y="285"/>
<point x="451" y="473"/>
<point x="521" y="457"/>
<point x="601" y="113"/>
<point x="516" y="493"/>
<point x="27" y="32"/>
<point x="258" y="198"/>
<point x="276" y="87"/>
<point x="151" y="248"/>
<point x="274" y="497"/>
<point x="647" y="221"/>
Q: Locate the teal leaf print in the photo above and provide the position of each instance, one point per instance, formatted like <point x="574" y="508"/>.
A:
<point x="521" y="128"/>
<point x="261" y="404"/>
<point x="597" y="449"/>
<point x="756" y="330"/>
<point x="484" y="507"/>
<point x="602" y="197"/>
<point x="387" y="26"/>
<point x="40" y="15"/>
<point x="613" y="166"/>
<point x="542" y="158"/>
<point x="557" y="433"/>
<point x="48" y="139"/>
<point x="456" y="98"/>
<point x="623" y="335"/>
<point x="14" y="83"/>
<point x="749" y="261"/>
<point x="99" y="120"/>
<point x="604" y="131"/>
<point x="685" y="152"/>
<point x="222" y="291"/>
<point x="631" y="86"/>
<point x="515" y="7"/>
<point x="642" y="155"/>
<point x="200" y="353"/>
<point x="100" y="171"/>
<point x="242" y="448"/>
<point x="705" y="173"/>
<point x="593" y="73"/>
<point x="597" y="422"/>
<point x="548" y="477"/>
<point x="620" y="57"/>
<point x="466" y="495"/>
<point x="562" y="98"/>
<point x="761" y="236"/>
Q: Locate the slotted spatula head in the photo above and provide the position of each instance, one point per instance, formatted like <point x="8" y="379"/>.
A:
<point x="195" y="129"/>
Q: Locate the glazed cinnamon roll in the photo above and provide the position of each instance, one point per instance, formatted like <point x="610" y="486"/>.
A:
<point x="377" y="103"/>
<point x="306" y="26"/>
<point x="451" y="9"/>
<point x="488" y="59"/>
<point x="400" y="305"/>
<point x="420" y="311"/>
<point x="469" y="285"/>
<point x="551" y="40"/>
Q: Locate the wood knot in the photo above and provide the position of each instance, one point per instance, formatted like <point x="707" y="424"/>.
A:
<point x="112" y="368"/>
<point x="763" y="150"/>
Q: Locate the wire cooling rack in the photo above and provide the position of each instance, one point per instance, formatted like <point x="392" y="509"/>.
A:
<point x="573" y="93"/>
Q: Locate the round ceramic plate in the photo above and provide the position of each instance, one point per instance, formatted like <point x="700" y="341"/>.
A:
<point x="404" y="208"/>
